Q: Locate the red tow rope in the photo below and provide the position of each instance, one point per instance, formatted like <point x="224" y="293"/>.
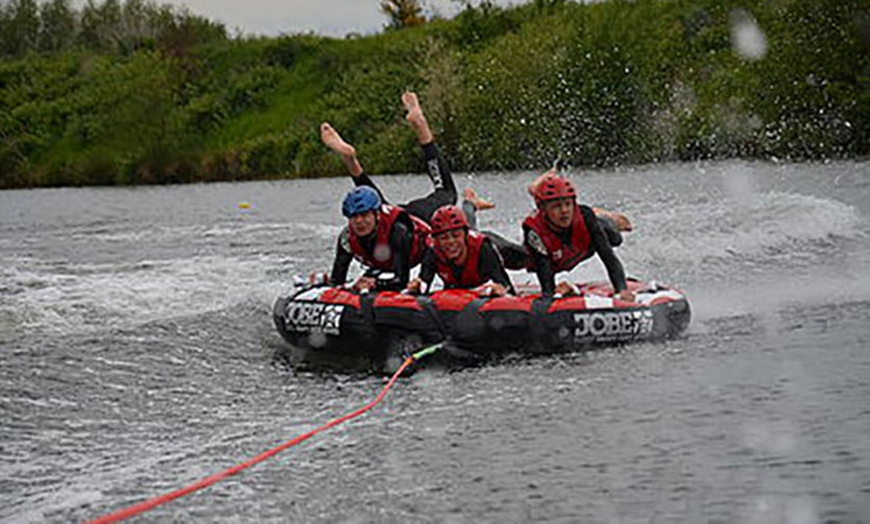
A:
<point x="152" y="503"/>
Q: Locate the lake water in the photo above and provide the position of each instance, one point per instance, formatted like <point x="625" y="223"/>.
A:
<point x="138" y="356"/>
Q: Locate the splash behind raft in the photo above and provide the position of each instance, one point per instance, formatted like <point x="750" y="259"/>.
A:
<point x="337" y="328"/>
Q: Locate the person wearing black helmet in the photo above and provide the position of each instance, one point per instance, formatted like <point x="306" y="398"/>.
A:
<point x="461" y="257"/>
<point x="387" y="239"/>
<point x="561" y="234"/>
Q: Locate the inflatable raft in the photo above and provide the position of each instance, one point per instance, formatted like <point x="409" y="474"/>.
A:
<point x="337" y="327"/>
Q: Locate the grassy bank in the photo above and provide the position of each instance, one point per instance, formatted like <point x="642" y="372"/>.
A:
<point x="606" y="83"/>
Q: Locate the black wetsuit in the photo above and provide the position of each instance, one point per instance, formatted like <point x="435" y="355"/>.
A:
<point x="513" y="255"/>
<point x="601" y="243"/>
<point x="401" y="234"/>
<point x="442" y="180"/>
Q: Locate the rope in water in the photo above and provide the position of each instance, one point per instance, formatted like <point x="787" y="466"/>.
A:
<point x="152" y="503"/>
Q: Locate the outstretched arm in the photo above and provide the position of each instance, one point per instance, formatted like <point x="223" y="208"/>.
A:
<point x="492" y="267"/>
<point x="601" y="245"/>
<point x="541" y="263"/>
<point x="343" y="258"/>
<point x="427" y="268"/>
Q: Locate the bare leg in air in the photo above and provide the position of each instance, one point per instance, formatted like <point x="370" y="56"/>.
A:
<point x="331" y="139"/>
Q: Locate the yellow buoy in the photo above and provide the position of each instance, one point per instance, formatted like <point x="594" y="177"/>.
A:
<point x="244" y="205"/>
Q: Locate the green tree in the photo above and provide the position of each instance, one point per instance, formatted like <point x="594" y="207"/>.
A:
<point x="89" y="35"/>
<point x="547" y="6"/>
<point x="111" y="30"/>
<point x="403" y="13"/>
<point x="136" y="23"/>
<point x="4" y="29"/>
<point x="58" y="26"/>
<point x="21" y="27"/>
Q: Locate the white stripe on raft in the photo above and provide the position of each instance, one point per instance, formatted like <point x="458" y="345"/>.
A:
<point x="597" y="302"/>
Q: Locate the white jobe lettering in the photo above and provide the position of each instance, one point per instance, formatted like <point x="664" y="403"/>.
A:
<point x="435" y="174"/>
<point x="313" y="317"/>
<point x="613" y="324"/>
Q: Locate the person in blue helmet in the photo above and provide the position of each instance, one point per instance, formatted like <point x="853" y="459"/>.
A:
<point x="388" y="239"/>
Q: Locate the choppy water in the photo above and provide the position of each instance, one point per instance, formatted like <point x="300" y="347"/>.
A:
<point x="138" y="356"/>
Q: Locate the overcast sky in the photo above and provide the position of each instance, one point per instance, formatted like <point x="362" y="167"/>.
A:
<point x="326" y="17"/>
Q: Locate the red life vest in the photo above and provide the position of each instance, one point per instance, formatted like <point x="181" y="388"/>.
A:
<point x="562" y="257"/>
<point x="382" y="255"/>
<point x="471" y="276"/>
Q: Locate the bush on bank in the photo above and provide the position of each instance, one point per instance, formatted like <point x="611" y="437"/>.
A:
<point x="599" y="84"/>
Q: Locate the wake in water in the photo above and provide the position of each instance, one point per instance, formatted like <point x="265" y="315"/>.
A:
<point x="60" y="298"/>
<point x="722" y="239"/>
<point x="737" y="250"/>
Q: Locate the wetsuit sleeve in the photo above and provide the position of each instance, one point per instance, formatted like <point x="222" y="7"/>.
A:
<point x="400" y="244"/>
<point x="601" y="245"/>
<point x="438" y="169"/>
<point x="513" y="255"/>
<point x="365" y="180"/>
<point x="427" y="268"/>
<point x="492" y="267"/>
<point x="540" y="262"/>
<point x="442" y="181"/>
<point x="343" y="258"/>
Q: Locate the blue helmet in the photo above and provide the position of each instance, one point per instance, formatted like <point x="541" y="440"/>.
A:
<point x="360" y="200"/>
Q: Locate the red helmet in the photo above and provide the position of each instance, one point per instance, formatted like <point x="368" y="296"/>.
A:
<point x="553" y="187"/>
<point x="446" y="218"/>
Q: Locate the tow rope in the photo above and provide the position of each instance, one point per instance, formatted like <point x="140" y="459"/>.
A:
<point x="152" y="503"/>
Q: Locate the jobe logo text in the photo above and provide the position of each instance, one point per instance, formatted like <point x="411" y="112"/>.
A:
<point x="613" y="324"/>
<point x="311" y="316"/>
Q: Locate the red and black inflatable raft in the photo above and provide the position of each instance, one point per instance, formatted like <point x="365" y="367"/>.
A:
<point x="336" y="327"/>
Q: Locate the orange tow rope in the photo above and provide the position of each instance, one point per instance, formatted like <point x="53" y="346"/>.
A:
<point x="152" y="503"/>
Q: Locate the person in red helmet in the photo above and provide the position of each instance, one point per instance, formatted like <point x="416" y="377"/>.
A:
<point x="461" y="257"/>
<point x="561" y="234"/>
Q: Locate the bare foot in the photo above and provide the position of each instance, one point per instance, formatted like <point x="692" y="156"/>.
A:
<point x="622" y="222"/>
<point x="416" y="119"/>
<point x="331" y="139"/>
<point x="479" y="203"/>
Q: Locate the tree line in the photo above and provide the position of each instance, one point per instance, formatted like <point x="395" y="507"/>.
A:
<point x="504" y="88"/>
<point x="27" y="26"/>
